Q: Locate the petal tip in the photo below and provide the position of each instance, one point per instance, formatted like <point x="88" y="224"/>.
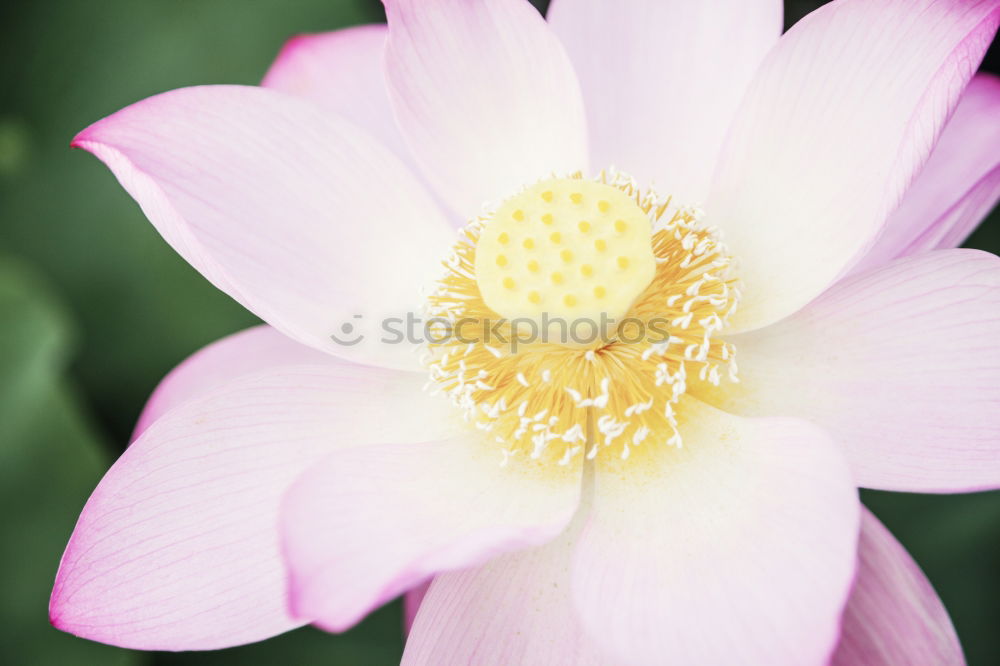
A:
<point x="82" y="139"/>
<point x="302" y="608"/>
<point x="299" y="45"/>
<point x="287" y="51"/>
<point x="55" y="619"/>
<point x="62" y="615"/>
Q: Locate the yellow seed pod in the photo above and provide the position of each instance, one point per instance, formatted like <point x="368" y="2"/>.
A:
<point x="567" y="247"/>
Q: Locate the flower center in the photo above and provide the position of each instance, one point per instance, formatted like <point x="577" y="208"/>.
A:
<point x="518" y="347"/>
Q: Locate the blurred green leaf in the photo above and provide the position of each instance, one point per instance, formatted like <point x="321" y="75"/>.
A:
<point x="50" y="460"/>
<point x="378" y="641"/>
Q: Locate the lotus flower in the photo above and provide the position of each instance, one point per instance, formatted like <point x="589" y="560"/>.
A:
<point x="791" y="209"/>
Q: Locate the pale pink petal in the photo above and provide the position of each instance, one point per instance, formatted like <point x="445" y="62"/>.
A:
<point x="516" y="609"/>
<point x="893" y="615"/>
<point x="299" y="215"/>
<point x="485" y="96"/>
<point x="178" y="547"/>
<point x="899" y="364"/>
<point x="662" y="80"/>
<point x="253" y="350"/>
<point x="342" y="71"/>
<point x="737" y="547"/>
<point x="956" y="189"/>
<point x="840" y="117"/>
<point x="958" y="223"/>
<point x="411" y="604"/>
<point x="368" y="524"/>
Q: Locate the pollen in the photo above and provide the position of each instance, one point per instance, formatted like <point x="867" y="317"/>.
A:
<point x="664" y="275"/>
<point x="569" y="213"/>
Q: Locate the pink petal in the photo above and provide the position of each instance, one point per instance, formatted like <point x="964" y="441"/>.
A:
<point x="957" y="188"/>
<point x="662" y="81"/>
<point x="893" y="615"/>
<point x="342" y="71"/>
<point x="841" y="116"/>
<point x="178" y="547"/>
<point x="411" y="604"/>
<point x="958" y="223"/>
<point x="738" y="547"/>
<point x="297" y="214"/>
<point x="253" y="350"/>
<point x="485" y="96"/>
<point x="516" y="609"/>
<point x="899" y="365"/>
<point x="368" y="524"/>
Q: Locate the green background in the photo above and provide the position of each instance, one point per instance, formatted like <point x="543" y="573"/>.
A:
<point x="95" y="309"/>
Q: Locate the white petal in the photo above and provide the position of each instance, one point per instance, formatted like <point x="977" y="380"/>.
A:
<point x="840" y="117"/>
<point x="368" y="524"/>
<point x="662" y="79"/>
<point x="516" y="609"/>
<point x="299" y="215"/>
<point x="178" y="547"/>
<point x="737" y="548"/>
<point x="957" y="188"/>
<point x="485" y="96"/>
<point x="898" y="364"/>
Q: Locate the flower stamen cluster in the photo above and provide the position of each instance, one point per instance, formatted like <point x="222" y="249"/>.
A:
<point x="558" y="399"/>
